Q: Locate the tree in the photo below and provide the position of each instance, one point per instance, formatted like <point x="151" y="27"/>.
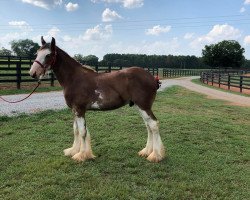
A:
<point x="24" y="47"/>
<point x="91" y="60"/>
<point x="225" y="54"/>
<point x="5" y="52"/>
<point x="79" y="58"/>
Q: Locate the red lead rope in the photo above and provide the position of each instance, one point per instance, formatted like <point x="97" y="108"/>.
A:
<point x="38" y="83"/>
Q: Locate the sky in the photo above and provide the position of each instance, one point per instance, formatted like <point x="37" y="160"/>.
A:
<point x="98" y="27"/>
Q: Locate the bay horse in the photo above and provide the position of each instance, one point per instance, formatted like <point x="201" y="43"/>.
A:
<point x="85" y="89"/>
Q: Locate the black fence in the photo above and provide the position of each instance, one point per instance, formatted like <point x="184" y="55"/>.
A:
<point x="233" y="78"/>
<point x="15" y="70"/>
<point x="168" y="73"/>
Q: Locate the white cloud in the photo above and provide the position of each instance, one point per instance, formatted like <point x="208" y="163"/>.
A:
<point x="53" y="32"/>
<point x="242" y="10"/>
<point x="23" y="25"/>
<point x="110" y="15"/>
<point x="247" y="2"/>
<point x="7" y="38"/>
<point x="71" y="6"/>
<point x="218" y="33"/>
<point x="46" y="4"/>
<point x="189" y="36"/>
<point x="125" y="3"/>
<point x="157" y="30"/>
<point x="247" y="40"/>
<point x="132" y="3"/>
<point x="144" y="47"/>
<point x="99" y="32"/>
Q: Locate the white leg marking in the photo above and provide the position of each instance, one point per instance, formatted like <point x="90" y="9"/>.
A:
<point x="76" y="144"/>
<point x="154" y="148"/>
<point x="85" y="146"/>
<point x="149" y="146"/>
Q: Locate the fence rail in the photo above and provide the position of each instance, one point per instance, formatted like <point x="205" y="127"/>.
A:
<point x="167" y="73"/>
<point x="234" y="79"/>
<point x="15" y="70"/>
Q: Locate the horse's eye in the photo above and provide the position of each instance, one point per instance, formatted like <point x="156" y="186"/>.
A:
<point x="47" y="56"/>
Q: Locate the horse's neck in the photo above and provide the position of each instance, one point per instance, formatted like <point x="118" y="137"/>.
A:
<point x="66" y="68"/>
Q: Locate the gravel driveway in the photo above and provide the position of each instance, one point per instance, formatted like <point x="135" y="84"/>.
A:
<point x="55" y="100"/>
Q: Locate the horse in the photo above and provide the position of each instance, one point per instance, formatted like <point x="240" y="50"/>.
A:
<point x="85" y="89"/>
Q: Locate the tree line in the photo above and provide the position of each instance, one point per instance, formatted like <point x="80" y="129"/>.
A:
<point x="225" y="54"/>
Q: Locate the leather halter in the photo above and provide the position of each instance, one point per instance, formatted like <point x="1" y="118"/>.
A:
<point x="51" y="63"/>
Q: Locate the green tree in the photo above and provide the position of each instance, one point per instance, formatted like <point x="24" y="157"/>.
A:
<point x="24" y="47"/>
<point x="225" y="54"/>
<point x="5" y="52"/>
<point x="91" y="60"/>
<point x="79" y="58"/>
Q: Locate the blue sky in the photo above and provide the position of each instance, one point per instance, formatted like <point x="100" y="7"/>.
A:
<point x="178" y="27"/>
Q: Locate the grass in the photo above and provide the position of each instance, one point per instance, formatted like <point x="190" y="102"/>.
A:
<point x="207" y="146"/>
<point x="29" y="90"/>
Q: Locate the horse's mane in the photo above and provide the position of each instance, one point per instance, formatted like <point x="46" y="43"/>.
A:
<point x="67" y="56"/>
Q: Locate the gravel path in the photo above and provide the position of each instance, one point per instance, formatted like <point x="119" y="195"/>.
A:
<point x="55" y="100"/>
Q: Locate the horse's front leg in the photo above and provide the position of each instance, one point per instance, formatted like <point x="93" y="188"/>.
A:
<point x="76" y="144"/>
<point x="85" y="151"/>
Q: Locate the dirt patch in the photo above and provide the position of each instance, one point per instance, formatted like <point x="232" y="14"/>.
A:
<point x="234" y="89"/>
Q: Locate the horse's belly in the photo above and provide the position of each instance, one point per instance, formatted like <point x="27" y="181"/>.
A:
<point x="107" y="104"/>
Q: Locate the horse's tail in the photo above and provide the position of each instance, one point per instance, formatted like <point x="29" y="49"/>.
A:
<point x="158" y="82"/>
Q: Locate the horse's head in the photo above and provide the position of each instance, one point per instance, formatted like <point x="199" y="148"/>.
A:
<point x="46" y="57"/>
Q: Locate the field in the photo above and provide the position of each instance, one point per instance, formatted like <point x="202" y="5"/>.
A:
<point x="207" y="145"/>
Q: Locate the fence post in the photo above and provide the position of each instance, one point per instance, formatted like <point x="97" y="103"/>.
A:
<point x="96" y="68"/>
<point x="241" y="80"/>
<point x="212" y="76"/>
<point x="229" y="80"/>
<point x="219" y="79"/>
<point x="18" y="75"/>
<point x="8" y="61"/>
<point x="52" y="78"/>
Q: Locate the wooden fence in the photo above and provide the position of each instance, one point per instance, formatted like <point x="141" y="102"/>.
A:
<point x="168" y="73"/>
<point x="236" y="79"/>
<point x="15" y="70"/>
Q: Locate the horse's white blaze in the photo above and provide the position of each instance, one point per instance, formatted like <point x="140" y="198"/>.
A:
<point x="36" y="68"/>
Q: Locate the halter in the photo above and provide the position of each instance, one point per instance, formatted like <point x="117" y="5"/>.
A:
<point x="52" y="62"/>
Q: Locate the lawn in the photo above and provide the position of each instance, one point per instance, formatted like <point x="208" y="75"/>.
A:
<point x="207" y="143"/>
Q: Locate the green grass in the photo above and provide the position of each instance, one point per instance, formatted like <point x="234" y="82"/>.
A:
<point x="27" y="91"/>
<point x="207" y="145"/>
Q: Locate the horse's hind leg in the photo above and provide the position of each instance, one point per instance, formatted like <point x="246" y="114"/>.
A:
<point x="154" y="149"/>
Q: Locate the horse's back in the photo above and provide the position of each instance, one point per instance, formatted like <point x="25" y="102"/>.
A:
<point x="142" y="86"/>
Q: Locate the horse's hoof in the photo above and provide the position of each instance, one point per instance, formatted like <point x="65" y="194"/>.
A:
<point x="90" y="156"/>
<point x="154" y="157"/>
<point x="70" y="151"/>
<point x="144" y="152"/>
<point x="79" y="157"/>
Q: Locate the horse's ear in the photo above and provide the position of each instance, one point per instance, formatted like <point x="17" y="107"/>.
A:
<point x="53" y="45"/>
<point x="43" y="41"/>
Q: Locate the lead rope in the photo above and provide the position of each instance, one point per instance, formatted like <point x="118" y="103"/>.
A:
<point x="38" y="83"/>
